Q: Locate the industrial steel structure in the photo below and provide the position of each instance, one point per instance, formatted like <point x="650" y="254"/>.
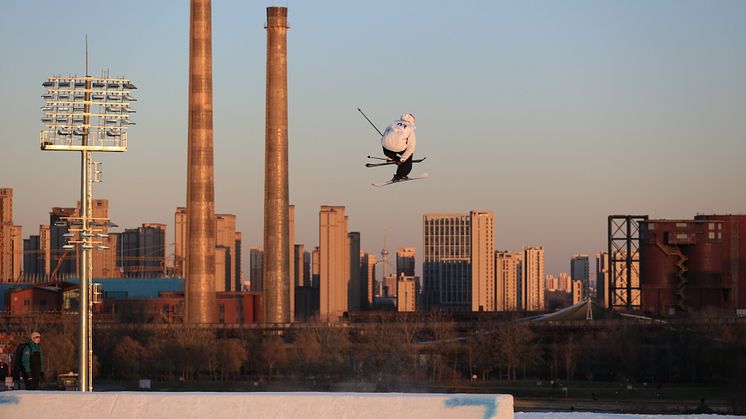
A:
<point x="624" y="261"/>
<point x="681" y="266"/>
<point x="86" y="114"/>
<point x="276" y="273"/>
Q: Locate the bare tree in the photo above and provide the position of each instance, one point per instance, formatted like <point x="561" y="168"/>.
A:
<point x="231" y="354"/>
<point x="128" y="355"/>
<point x="274" y="353"/>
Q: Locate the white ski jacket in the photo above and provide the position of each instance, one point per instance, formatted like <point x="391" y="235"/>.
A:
<point x="399" y="137"/>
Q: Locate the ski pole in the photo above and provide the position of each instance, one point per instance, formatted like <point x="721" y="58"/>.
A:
<point x="371" y="122"/>
<point x="378" y="158"/>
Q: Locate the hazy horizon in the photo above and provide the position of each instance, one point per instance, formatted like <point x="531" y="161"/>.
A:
<point x="553" y="115"/>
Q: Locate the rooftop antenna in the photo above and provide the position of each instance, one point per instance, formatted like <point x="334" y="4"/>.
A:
<point x="86" y="55"/>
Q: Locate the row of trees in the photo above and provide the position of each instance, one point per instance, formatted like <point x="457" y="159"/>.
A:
<point x="422" y="349"/>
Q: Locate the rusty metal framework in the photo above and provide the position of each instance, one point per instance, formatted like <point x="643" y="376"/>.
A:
<point x="624" y="261"/>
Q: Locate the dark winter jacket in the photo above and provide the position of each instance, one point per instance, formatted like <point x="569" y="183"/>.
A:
<point x="31" y="359"/>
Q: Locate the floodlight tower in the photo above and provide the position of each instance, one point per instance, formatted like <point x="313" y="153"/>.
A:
<point x="86" y="114"/>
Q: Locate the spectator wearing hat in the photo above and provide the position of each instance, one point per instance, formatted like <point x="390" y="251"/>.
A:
<point x="398" y="143"/>
<point x="32" y="362"/>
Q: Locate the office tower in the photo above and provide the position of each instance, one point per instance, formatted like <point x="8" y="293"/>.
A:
<point x="406" y="294"/>
<point x="334" y="268"/>
<point x="180" y="242"/>
<point x="199" y="288"/>
<point x="368" y="274"/>
<point x="225" y="237"/>
<point x="532" y="287"/>
<point x="405" y="261"/>
<point x="508" y="273"/>
<point x="602" y="279"/>
<point x="354" y="287"/>
<point x="458" y="261"/>
<point x="141" y="251"/>
<point x="31" y="258"/>
<point x="580" y="270"/>
<point x="256" y="269"/>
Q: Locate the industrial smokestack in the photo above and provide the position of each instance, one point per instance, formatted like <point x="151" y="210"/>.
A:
<point x="276" y="229"/>
<point x="200" y="257"/>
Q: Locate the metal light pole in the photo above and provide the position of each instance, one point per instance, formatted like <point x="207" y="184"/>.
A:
<point x="86" y="114"/>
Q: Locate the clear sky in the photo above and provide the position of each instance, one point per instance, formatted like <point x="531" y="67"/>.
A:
<point x="552" y="114"/>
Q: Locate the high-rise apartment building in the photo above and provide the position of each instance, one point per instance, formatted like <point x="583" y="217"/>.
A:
<point x="532" y="287"/>
<point x="11" y="240"/>
<point x="6" y="223"/>
<point x="334" y="268"/>
<point x="602" y="279"/>
<point x="225" y="237"/>
<point x="406" y="294"/>
<point x="508" y="274"/>
<point x="458" y="261"/>
<point x="483" y="261"/>
<point x="577" y="291"/>
<point x="580" y="271"/>
<point x="405" y="261"/>
<point x="565" y="282"/>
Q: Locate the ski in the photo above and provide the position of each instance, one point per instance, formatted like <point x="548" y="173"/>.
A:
<point x="389" y="162"/>
<point x="389" y="182"/>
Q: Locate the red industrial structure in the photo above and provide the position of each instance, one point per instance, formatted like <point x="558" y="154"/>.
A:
<point x="734" y="257"/>
<point x="689" y="266"/>
<point x="168" y="307"/>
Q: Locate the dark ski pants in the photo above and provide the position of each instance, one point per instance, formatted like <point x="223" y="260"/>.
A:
<point x="403" y="169"/>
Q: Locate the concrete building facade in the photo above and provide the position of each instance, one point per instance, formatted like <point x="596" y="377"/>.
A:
<point x="334" y="268"/>
<point x="533" y="280"/>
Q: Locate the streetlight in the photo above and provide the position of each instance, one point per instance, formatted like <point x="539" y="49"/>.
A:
<point x="86" y="114"/>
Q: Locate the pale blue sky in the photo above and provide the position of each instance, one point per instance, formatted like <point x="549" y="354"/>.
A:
<point x="552" y="114"/>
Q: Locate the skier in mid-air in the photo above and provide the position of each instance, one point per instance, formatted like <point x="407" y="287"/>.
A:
<point x="398" y="143"/>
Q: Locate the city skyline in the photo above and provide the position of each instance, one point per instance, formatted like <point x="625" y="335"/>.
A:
<point x="552" y="116"/>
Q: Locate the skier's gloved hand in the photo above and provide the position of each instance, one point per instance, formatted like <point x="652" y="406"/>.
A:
<point x="399" y="162"/>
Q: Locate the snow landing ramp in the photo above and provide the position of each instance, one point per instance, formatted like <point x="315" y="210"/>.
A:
<point x="160" y="405"/>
